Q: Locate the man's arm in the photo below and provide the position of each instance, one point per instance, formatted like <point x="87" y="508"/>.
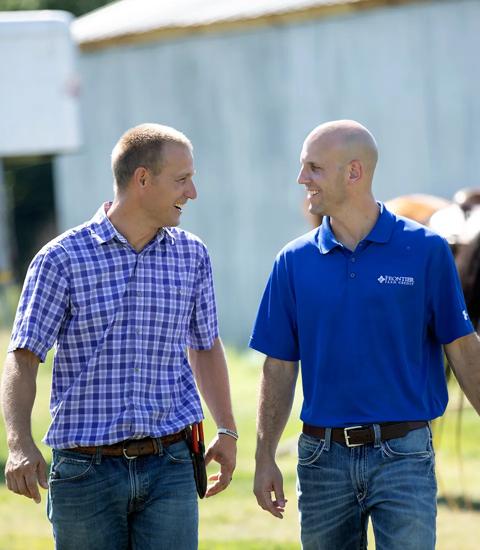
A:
<point x="463" y="355"/>
<point x="277" y="390"/>
<point x="211" y="374"/>
<point x="25" y="466"/>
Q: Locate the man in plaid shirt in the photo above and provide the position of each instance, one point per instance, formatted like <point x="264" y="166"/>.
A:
<point x="127" y="299"/>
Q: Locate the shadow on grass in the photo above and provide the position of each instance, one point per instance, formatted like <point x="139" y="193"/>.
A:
<point x="459" y="503"/>
<point x="246" y="545"/>
<point x="452" y="502"/>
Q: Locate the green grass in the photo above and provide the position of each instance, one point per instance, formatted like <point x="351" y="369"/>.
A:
<point x="232" y="520"/>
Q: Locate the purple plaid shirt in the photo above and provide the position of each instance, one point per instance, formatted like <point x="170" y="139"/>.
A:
<point x="121" y="322"/>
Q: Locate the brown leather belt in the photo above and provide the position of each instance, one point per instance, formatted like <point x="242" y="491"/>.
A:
<point x="131" y="448"/>
<point x="354" y="436"/>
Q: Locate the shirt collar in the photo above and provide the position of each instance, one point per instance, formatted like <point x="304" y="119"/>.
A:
<point x="326" y="238"/>
<point x="383" y="228"/>
<point x="380" y="232"/>
<point x="103" y="230"/>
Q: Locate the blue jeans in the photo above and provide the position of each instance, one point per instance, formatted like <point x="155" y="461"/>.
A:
<point x="112" y="503"/>
<point x="393" y="482"/>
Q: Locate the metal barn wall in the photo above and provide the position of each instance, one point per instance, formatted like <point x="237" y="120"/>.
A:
<point x="247" y="99"/>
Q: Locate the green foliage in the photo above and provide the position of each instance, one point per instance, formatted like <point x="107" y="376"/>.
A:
<point x="9" y="295"/>
<point x="31" y="204"/>
<point x="77" y="7"/>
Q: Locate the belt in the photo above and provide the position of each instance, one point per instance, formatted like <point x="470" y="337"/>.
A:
<point x="354" y="436"/>
<point x="131" y="448"/>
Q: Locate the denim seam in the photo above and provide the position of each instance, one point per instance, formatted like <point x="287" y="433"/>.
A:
<point x="314" y="455"/>
<point x="416" y="454"/>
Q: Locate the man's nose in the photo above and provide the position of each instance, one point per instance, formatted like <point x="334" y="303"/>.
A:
<point x="302" y="178"/>
<point x="191" y="191"/>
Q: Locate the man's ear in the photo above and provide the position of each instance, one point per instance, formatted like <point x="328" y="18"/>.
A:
<point x="140" y="176"/>
<point x="355" y="171"/>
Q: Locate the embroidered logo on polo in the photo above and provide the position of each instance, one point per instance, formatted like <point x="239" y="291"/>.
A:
<point x="396" y="280"/>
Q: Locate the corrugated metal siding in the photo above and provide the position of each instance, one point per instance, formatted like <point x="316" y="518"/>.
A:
<point x="247" y="101"/>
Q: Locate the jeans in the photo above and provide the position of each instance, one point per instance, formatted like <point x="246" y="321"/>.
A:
<point x="112" y="503"/>
<point x="393" y="482"/>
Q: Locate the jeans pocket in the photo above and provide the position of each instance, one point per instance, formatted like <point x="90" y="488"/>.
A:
<point x="68" y="466"/>
<point x="309" y="449"/>
<point x="417" y="443"/>
<point x="178" y="453"/>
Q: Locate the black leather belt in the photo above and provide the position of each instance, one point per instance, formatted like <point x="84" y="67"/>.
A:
<point x="131" y="448"/>
<point x="354" y="436"/>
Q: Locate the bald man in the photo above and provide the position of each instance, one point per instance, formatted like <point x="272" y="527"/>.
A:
<point x="365" y="302"/>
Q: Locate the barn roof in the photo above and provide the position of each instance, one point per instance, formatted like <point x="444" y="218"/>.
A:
<point x="127" y="21"/>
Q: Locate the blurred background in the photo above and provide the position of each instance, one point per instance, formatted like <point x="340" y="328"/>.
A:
<point x="245" y="80"/>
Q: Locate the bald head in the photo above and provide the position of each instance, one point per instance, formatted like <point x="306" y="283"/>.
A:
<point x="349" y="140"/>
<point x="337" y="164"/>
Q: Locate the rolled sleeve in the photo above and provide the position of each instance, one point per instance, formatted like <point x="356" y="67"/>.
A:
<point x="43" y="304"/>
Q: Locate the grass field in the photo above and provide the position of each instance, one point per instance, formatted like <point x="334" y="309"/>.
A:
<point x="232" y="519"/>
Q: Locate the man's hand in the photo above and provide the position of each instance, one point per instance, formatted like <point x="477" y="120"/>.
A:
<point x="25" y="467"/>
<point x="268" y="479"/>
<point x="277" y="388"/>
<point x="25" y="470"/>
<point x="210" y="369"/>
<point x="223" y="449"/>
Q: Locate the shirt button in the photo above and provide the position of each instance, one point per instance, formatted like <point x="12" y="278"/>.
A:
<point x="139" y="293"/>
<point x="138" y="331"/>
<point x="352" y="275"/>
<point x="353" y="259"/>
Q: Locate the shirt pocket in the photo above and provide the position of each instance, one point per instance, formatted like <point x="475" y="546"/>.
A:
<point x="173" y="308"/>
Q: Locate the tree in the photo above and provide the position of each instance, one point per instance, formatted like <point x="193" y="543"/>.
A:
<point x="77" y="7"/>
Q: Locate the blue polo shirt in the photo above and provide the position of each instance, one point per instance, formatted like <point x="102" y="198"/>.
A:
<point x="366" y="325"/>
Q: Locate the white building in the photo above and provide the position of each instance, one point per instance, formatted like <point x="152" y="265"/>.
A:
<point x="246" y="81"/>
<point x="39" y="118"/>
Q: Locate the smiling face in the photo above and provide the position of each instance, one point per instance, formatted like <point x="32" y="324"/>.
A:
<point x="323" y="173"/>
<point x="165" y="192"/>
<point x="337" y="164"/>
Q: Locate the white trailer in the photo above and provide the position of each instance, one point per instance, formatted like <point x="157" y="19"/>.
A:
<point x="39" y="96"/>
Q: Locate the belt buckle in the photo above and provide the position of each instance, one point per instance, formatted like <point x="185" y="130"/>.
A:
<point x="124" y="451"/>
<point x="347" y="436"/>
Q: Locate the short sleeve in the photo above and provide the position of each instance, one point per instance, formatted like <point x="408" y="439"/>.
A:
<point x="449" y="317"/>
<point x="203" y="328"/>
<point x="275" y="328"/>
<point x="43" y="304"/>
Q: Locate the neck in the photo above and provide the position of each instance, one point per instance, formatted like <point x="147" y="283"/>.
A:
<point x="131" y="223"/>
<point x="354" y="224"/>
